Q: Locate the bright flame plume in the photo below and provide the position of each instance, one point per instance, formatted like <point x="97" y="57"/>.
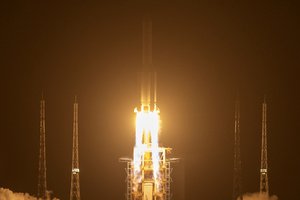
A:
<point x="146" y="144"/>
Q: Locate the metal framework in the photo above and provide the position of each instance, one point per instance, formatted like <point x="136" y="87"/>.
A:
<point x="129" y="180"/>
<point x="264" y="184"/>
<point x="75" y="184"/>
<point x="168" y="179"/>
<point x="42" y="179"/>
<point x="165" y="189"/>
<point x="237" y="167"/>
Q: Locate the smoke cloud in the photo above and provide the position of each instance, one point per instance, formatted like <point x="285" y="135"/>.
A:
<point x="6" y="194"/>
<point x="259" y="196"/>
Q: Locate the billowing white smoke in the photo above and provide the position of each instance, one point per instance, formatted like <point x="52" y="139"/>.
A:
<point x="259" y="196"/>
<point x="6" y="194"/>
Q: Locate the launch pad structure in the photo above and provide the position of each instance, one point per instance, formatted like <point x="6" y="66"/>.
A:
<point x="264" y="184"/>
<point x="148" y="173"/>
<point x="144" y="186"/>
<point x="42" y="193"/>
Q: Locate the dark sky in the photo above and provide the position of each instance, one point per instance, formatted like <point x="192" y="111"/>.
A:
<point x="203" y="54"/>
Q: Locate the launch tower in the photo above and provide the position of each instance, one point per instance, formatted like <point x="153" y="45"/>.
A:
<point x="75" y="186"/>
<point x="42" y="181"/>
<point x="264" y="185"/>
<point x="237" y="168"/>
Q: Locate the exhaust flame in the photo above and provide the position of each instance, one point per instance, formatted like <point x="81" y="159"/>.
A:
<point x="146" y="145"/>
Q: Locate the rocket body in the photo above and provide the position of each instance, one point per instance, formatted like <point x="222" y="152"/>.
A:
<point x="148" y="76"/>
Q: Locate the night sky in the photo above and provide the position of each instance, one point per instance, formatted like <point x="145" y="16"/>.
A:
<point x="203" y="54"/>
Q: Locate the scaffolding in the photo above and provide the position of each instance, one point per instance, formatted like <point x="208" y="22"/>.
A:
<point x="168" y="171"/>
<point x="164" y="191"/>
<point x="129" y="180"/>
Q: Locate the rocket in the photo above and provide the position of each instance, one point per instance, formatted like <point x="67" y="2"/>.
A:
<point x="148" y="76"/>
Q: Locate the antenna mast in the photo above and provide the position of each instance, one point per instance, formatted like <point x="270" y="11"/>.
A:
<point x="42" y="181"/>
<point x="264" y="185"/>
<point x="237" y="168"/>
<point x="75" y="186"/>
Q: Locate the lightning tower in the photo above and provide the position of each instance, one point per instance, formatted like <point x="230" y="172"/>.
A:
<point x="237" y="167"/>
<point x="148" y="173"/>
<point x="42" y="181"/>
<point x="75" y="186"/>
<point x="264" y="185"/>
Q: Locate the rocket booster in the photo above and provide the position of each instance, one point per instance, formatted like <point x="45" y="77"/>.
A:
<point x="148" y="91"/>
<point x="148" y="77"/>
